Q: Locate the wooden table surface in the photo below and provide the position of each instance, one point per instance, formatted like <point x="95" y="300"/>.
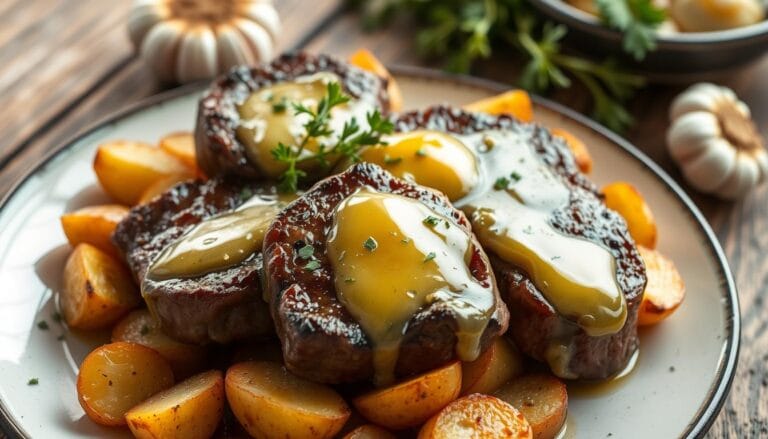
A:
<point x="66" y="64"/>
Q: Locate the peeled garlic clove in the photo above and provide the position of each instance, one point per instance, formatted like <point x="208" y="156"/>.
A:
<point x="159" y="48"/>
<point x="258" y="39"/>
<point x="197" y="58"/>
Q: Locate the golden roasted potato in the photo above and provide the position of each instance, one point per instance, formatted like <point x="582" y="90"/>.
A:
<point x="98" y="290"/>
<point x="162" y="185"/>
<point x="126" y="169"/>
<point x="578" y="148"/>
<point x="94" y="225"/>
<point x="498" y="364"/>
<point x="117" y="376"/>
<point x="516" y="103"/>
<point x="191" y="409"/>
<point x="477" y="416"/>
<point x="366" y="60"/>
<point x="629" y="203"/>
<point x="369" y="431"/>
<point x="181" y="145"/>
<point x="665" y="290"/>
<point x="270" y="402"/>
<point x="411" y="402"/>
<point x="543" y="401"/>
<point x="139" y="327"/>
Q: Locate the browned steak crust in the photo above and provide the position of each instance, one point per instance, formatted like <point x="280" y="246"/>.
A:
<point x="321" y="340"/>
<point x="219" y="151"/>
<point x="220" y="306"/>
<point x="534" y="323"/>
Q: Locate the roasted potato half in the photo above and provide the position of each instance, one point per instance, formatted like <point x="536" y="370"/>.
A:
<point x="498" y="364"/>
<point x="516" y="103"/>
<point x="269" y="401"/>
<point x="98" y="290"/>
<point x="94" y="225"/>
<point x="369" y="431"/>
<point x="630" y="204"/>
<point x="477" y="416"/>
<point x="366" y="60"/>
<point x="191" y="409"/>
<point x="116" y="377"/>
<point x="410" y="403"/>
<point x="181" y="145"/>
<point x="543" y="401"/>
<point x="664" y="291"/>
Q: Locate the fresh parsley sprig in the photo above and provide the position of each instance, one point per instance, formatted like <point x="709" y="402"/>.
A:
<point x="348" y="144"/>
<point x="637" y="19"/>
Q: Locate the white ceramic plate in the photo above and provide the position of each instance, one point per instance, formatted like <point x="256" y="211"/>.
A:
<point x="685" y="364"/>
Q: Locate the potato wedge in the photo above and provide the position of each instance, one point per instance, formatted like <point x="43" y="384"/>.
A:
<point x="126" y="169"/>
<point x="411" y="402"/>
<point x="162" y="185"/>
<point x="578" y="148"/>
<point x="516" y="103"/>
<point x="117" y="376"/>
<point x="369" y="431"/>
<point x="629" y="203"/>
<point x="94" y="225"/>
<point x="191" y="409"/>
<point x="269" y="401"/>
<point x="664" y="291"/>
<point x="477" y="416"/>
<point x="542" y="399"/>
<point x="181" y="145"/>
<point x="498" y="364"/>
<point x="98" y="290"/>
<point x="366" y="60"/>
<point x="139" y="327"/>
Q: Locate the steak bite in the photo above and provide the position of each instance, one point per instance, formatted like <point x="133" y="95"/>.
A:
<point x="370" y="276"/>
<point x="566" y="265"/>
<point x="195" y="302"/>
<point x="246" y="113"/>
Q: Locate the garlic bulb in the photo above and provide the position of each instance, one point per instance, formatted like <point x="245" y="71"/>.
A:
<point x="714" y="15"/>
<point x="715" y="141"/>
<point x="187" y="40"/>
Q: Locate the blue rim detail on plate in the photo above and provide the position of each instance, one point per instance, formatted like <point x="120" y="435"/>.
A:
<point x="726" y="370"/>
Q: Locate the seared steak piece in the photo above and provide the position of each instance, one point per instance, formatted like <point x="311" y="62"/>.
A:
<point x="220" y="306"/>
<point x="320" y="338"/>
<point x="535" y="325"/>
<point x="219" y="151"/>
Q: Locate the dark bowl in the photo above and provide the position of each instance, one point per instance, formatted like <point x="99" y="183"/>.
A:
<point x="679" y="57"/>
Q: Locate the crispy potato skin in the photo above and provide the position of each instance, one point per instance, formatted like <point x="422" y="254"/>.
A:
<point x="665" y="290"/>
<point x="191" y="409"/>
<point x="410" y="403"/>
<point x="369" y="431"/>
<point x="516" y="103"/>
<point x="94" y="225"/>
<point x="477" y="416"/>
<point x="366" y="60"/>
<point x="98" y="290"/>
<point x="126" y="169"/>
<point x="630" y="204"/>
<point x="269" y="401"/>
<point x="494" y="367"/>
<point x="542" y="399"/>
<point x="578" y="148"/>
<point x="117" y="376"/>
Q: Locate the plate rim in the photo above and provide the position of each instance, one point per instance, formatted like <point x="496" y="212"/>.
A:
<point x="726" y="370"/>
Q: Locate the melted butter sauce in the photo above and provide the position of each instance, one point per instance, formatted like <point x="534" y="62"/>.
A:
<point x="392" y="256"/>
<point x="428" y="158"/>
<point x="510" y="214"/>
<point x="600" y="389"/>
<point x="267" y="118"/>
<point x="219" y="242"/>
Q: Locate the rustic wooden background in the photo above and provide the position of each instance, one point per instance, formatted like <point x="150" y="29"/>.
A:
<point x="66" y="63"/>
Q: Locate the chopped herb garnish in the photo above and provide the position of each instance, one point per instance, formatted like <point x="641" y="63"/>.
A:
<point x="421" y="153"/>
<point x="280" y="107"/>
<point x="144" y="330"/>
<point x="312" y="265"/>
<point x="430" y="256"/>
<point x="554" y="258"/>
<point x="392" y="160"/>
<point x="370" y="244"/>
<point x="501" y="183"/>
<point x="349" y="280"/>
<point x="43" y="325"/>
<point x="515" y="176"/>
<point x="431" y="220"/>
<point x="306" y="252"/>
<point x="33" y="382"/>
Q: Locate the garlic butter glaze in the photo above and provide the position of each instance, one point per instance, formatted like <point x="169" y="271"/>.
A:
<point x="391" y="257"/>
<point x="219" y="242"/>
<point x="268" y="117"/>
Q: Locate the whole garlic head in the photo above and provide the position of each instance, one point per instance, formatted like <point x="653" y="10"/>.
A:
<point x="187" y="40"/>
<point x="714" y="15"/>
<point x="715" y="141"/>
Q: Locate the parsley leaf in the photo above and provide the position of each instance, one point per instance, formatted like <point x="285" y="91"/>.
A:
<point x="431" y="220"/>
<point x="33" y="382"/>
<point x="307" y="252"/>
<point x="370" y="244"/>
<point x="501" y="183"/>
<point x="637" y="19"/>
<point x="430" y="256"/>
<point x="312" y="265"/>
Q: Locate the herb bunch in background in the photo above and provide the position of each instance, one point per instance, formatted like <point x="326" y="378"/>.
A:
<point x="462" y="31"/>
<point x="637" y="19"/>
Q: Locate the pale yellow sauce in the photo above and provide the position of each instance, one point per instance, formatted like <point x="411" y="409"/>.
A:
<point x="429" y="158"/>
<point x="268" y="118"/>
<point x="389" y="263"/>
<point x="219" y="242"/>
